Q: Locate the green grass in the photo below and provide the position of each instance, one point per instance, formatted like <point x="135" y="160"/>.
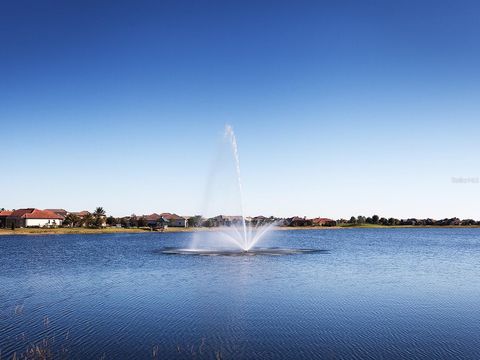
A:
<point x="53" y="231"/>
<point x="363" y="226"/>
<point x="115" y="230"/>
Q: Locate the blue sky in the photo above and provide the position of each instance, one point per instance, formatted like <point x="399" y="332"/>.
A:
<point x="340" y="107"/>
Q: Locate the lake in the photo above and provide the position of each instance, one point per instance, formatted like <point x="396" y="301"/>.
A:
<point x="375" y="294"/>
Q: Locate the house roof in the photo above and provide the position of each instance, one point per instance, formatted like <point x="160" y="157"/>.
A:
<point x="6" y="213"/>
<point x="228" y="217"/>
<point x="42" y="214"/>
<point x="152" y="217"/>
<point x="35" y="214"/>
<point x="169" y="216"/>
<point x="58" y="211"/>
<point x="81" y="213"/>
<point x="20" y="212"/>
<point x="234" y="217"/>
<point x="260" y="217"/>
<point x="321" y="220"/>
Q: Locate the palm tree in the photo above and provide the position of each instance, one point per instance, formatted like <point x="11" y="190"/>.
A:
<point x="72" y="220"/>
<point x="99" y="216"/>
<point x="89" y="220"/>
<point x="99" y="211"/>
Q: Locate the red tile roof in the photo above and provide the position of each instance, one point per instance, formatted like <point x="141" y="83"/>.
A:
<point x="152" y="217"/>
<point x="20" y="212"/>
<point x="42" y="214"/>
<point x="35" y="214"/>
<point x="81" y="213"/>
<point x="5" y="213"/>
<point x="169" y="216"/>
<point x="62" y="212"/>
<point x="321" y="220"/>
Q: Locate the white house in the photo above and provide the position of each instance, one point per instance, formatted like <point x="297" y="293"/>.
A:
<point x="34" y="218"/>
<point x="174" y="220"/>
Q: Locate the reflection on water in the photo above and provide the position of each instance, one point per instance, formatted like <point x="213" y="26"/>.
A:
<point x="377" y="294"/>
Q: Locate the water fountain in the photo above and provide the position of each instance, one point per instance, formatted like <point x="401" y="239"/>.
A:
<point x="233" y="235"/>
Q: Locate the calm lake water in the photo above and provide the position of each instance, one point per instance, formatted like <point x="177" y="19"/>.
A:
<point x="376" y="294"/>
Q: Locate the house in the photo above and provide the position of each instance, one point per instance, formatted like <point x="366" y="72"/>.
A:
<point x="298" y="221"/>
<point x="61" y="212"/>
<point x="262" y="220"/>
<point x="152" y="220"/>
<point x="323" y="222"/>
<point x="3" y="217"/>
<point x="175" y="220"/>
<point x="81" y="214"/>
<point x="216" y="221"/>
<point x="223" y="220"/>
<point x="235" y="220"/>
<point x="156" y="221"/>
<point x="33" y="218"/>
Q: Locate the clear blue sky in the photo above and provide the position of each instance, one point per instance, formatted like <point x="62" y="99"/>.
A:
<point x="340" y="107"/>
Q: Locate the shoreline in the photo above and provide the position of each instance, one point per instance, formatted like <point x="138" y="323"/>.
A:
<point x="86" y="231"/>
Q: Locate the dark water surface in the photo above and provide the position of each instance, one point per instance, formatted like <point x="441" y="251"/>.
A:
<point x="376" y="294"/>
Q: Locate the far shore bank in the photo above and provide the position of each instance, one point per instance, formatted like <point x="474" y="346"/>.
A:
<point x="113" y="230"/>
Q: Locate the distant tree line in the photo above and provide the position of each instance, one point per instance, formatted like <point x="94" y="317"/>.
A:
<point x="376" y="220"/>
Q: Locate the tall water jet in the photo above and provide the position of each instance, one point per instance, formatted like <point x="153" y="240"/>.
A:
<point x="230" y="135"/>
<point x="230" y="232"/>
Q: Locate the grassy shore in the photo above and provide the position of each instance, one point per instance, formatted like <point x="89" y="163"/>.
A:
<point x="58" y="231"/>
<point x="86" y="231"/>
<point x="114" y="230"/>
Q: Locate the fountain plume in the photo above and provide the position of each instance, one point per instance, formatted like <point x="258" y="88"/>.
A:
<point x="230" y="135"/>
<point x="236" y="232"/>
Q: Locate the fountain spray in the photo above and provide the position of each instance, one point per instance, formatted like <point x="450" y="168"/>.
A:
<point x="230" y="136"/>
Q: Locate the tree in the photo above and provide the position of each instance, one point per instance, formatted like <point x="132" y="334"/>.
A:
<point x="72" y="220"/>
<point x="123" y="222"/>
<point x="361" y="220"/>
<point x="133" y="220"/>
<point x="392" y="221"/>
<point x="99" y="211"/>
<point x="352" y="220"/>
<point x="209" y="223"/>
<point x="375" y="219"/>
<point x="89" y="220"/>
<point x="142" y="222"/>
<point x="468" y="222"/>
<point x="98" y="217"/>
<point x="111" y="221"/>
<point x="195" y="221"/>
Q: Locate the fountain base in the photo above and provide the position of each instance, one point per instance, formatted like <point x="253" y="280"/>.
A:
<point x="239" y="252"/>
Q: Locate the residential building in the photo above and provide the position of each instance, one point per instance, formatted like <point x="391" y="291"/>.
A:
<point x="323" y="222"/>
<point x="33" y="218"/>
<point x="156" y="221"/>
<point x="298" y="221"/>
<point x="224" y="220"/>
<point x="3" y="217"/>
<point x="61" y="212"/>
<point x="81" y="214"/>
<point x="175" y="220"/>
